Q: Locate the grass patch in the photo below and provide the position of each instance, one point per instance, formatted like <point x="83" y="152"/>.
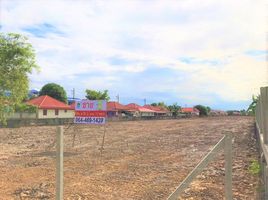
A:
<point x="254" y="167"/>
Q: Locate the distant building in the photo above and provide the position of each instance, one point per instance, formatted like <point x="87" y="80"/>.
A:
<point x="140" y="111"/>
<point x="158" y="110"/>
<point x="115" y="109"/>
<point x="33" y="93"/>
<point x="217" y="113"/>
<point x="190" y="111"/>
<point x="71" y="100"/>
<point x="234" y="112"/>
<point x="49" y="107"/>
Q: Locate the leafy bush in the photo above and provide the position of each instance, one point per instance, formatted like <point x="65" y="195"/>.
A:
<point x="25" y="108"/>
<point x="203" y="110"/>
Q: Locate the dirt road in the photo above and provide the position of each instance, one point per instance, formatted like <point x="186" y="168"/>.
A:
<point x="140" y="160"/>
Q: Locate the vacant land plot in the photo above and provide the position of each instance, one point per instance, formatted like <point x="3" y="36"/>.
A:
<point x="139" y="160"/>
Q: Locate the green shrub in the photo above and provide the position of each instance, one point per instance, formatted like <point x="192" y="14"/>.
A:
<point x="203" y="110"/>
<point x="25" y="108"/>
<point x="254" y="167"/>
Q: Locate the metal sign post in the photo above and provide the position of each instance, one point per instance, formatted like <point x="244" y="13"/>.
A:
<point x="90" y="112"/>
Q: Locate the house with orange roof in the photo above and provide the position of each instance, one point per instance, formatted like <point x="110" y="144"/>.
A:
<point x="49" y="107"/>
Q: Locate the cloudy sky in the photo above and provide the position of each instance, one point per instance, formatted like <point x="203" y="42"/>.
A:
<point x="192" y="52"/>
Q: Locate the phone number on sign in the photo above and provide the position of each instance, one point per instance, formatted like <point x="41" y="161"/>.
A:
<point x="89" y="120"/>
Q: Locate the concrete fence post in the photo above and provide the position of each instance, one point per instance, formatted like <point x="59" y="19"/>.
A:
<point x="59" y="164"/>
<point x="261" y="116"/>
<point x="228" y="166"/>
<point x="264" y="111"/>
<point x="262" y="166"/>
<point x="257" y="113"/>
<point x="266" y="181"/>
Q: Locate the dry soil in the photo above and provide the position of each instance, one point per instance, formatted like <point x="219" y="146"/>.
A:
<point x="139" y="160"/>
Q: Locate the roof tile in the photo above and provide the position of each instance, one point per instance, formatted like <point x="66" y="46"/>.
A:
<point x="47" y="102"/>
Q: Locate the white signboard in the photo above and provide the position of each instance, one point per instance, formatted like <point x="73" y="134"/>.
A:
<point x="90" y="112"/>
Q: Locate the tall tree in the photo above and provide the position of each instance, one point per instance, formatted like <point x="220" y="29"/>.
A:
<point x="203" y="111"/>
<point x="208" y="109"/>
<point x="17" y="60"/>
<point x="54" y="90"/>
<point x="175" y="109"/>
<point x="160" y="104"/>
<point x="97" y="95"/>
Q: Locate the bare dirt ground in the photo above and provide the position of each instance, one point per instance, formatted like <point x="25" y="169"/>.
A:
<point x="140" y="160"/>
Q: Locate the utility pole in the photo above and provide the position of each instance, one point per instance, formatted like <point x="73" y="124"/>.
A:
<point x="73" y="91"/>
<point x="117" y="97"/>
<point x="144" y="101"/>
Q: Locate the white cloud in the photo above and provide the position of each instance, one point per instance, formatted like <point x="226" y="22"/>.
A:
<point x="236" y="81"/>
<point x="149" y="34"/>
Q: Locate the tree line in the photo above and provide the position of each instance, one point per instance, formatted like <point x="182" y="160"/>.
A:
<point x="18" y="60"/>
<point x="56" y="91"/>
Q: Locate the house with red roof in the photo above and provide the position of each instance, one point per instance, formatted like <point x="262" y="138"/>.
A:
<point x="115" y="109"/>
<point x="49" y="107"/>
<point x="140" y="111"/>
<point x="190" y="111"/>
<point x="159" y="111"/>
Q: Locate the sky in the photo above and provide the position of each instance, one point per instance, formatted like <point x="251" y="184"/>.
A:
<point x="186" y="51"/>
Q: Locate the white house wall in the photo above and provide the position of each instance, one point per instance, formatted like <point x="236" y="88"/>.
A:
<point x="51" y="114"/>
<point x="147" y="114"/>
